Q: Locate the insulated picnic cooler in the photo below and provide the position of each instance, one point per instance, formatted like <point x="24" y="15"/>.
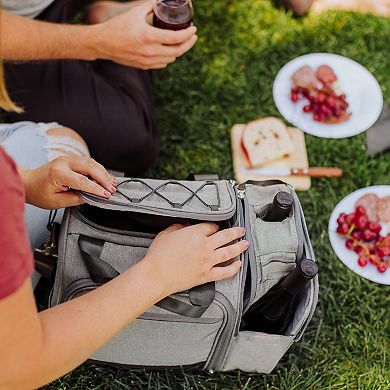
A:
<point x="201" y="327"/>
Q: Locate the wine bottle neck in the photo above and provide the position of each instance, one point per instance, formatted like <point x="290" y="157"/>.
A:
<point x="280" y="207"/>
<point x="294" y="283"/>
<point x="276" y="214"/>
<point x="300" y="277"/>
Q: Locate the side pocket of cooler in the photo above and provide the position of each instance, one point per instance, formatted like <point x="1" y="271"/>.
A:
<point x="260" y="352"/>
<point x="279" y="245"/>
<point x="305" y="250"/>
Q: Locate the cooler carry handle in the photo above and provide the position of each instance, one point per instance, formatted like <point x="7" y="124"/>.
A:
<point x="201" y="297"/>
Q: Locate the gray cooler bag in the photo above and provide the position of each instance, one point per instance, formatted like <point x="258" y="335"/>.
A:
<point x="200" y="327"/>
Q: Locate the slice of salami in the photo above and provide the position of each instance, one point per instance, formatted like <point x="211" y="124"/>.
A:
<point x="383" y="209"/>
<point x="369" y="202"/>
<point x="334" y="119"/>
<point x="305" y="78"/>
<point x="326" y="75"/>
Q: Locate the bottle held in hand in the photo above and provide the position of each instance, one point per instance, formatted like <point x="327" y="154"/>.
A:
<point x="280" y="207"/>
<point x="273" y="312"/>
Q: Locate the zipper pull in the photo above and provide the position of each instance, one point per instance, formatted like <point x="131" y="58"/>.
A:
<point x="241" y="193"/>
<point x="51" y="244"/>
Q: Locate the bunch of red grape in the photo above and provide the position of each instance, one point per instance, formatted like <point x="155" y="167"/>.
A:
<point x="324" y="103"/>
<point x="363" y="236"/>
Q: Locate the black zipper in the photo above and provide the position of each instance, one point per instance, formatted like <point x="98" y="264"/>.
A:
<point x="250" y="256"/>
<point x="219" y="354"/>
<point x="308" y="249"/>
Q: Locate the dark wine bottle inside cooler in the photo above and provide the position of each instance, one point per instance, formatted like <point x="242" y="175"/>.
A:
<point x="280" y="207"/>
<point x="273" y="312"/>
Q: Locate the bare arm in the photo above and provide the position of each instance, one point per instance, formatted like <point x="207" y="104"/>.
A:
<point x="36" y="347"/>
<point x="25" y="39"/>
<point x="127" y="39"/>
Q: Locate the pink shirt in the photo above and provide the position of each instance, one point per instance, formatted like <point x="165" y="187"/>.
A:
<point x="16" y="261"/>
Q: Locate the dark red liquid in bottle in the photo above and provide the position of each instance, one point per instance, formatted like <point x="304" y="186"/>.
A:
<point x="173" y="14"/>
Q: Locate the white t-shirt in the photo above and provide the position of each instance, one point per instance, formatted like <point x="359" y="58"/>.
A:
<point x="28" y="8"/>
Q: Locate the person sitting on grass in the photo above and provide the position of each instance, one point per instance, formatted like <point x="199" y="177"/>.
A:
<point x="38" y="347"/>
<point x="94" y="78"/>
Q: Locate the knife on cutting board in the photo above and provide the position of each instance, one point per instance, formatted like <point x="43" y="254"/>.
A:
<point x="282" y="171"/>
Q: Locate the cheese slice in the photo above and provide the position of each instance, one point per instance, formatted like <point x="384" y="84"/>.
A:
<point x="266" y="140"/>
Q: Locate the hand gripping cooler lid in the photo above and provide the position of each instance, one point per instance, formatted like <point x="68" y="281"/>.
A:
<point x="204" y="200"/>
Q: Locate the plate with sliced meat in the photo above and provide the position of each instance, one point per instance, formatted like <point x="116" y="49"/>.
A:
<point x="328" y="95"/>
<point x="359" y="232"/>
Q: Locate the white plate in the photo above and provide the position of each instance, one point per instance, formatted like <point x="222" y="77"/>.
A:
<point x="348" y="257"/>
<point x="363" y="92"/>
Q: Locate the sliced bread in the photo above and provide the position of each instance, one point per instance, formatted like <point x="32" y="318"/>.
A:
<point x="266" y="140"/>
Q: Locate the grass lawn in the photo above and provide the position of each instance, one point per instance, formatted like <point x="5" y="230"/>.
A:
<point x="227" y="78"/>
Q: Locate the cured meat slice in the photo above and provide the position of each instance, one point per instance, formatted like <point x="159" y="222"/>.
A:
<point x="383" y="209"/>
<point x="326" y="75"/>
<point x="369" y="202"/>
<point x="305" y="78"/>
<point x="334" y="119"/>
<point x="327" y="102"/>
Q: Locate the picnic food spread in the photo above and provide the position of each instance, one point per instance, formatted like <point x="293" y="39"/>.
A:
<point x="320" y="88"/>
<point x="362" y="230"/>
<point x="266" y="140"/>
<point x="323" y="86"/>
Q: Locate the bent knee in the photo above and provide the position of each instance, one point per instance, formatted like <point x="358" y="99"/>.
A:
<point x="67" y="132"/>
<point x="65" y="141"/>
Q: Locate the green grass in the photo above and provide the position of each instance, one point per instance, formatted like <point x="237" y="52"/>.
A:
<point x="227" y="78"/>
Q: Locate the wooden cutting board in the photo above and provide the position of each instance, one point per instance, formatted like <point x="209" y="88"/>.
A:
<point x="298" y="159"/>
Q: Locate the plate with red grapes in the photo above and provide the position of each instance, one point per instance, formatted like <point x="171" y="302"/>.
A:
<point x="328" y="95"/>
<point x="359" y="232"/>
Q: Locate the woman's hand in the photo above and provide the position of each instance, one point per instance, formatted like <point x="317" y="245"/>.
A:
<point x="184" y="257"/>
<point x="50" y="186"/>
